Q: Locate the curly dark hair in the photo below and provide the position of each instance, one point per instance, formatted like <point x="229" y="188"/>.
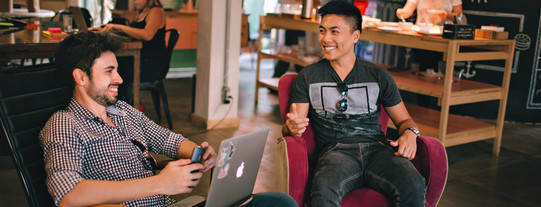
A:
<point x="349" y="11"/>
<point x="80" y="50"/>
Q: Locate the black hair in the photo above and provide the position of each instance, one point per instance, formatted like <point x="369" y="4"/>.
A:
<point x="154" y="3"/>
<point x="80" y="50"/>
<point x="349" y="11"/>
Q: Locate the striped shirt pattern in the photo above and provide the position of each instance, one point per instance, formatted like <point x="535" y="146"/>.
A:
<point x="78" y="145"/>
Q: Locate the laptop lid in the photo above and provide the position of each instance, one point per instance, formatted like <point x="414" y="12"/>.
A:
<point x="79" y="19"/>
<point x="236" y="169"/>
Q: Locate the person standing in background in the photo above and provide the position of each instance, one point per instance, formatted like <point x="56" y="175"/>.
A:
<point x="437" y="12"/>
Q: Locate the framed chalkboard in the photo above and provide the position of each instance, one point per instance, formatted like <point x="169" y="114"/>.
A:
<point x="522" y="21"/>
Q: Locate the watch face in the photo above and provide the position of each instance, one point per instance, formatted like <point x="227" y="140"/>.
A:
<point x="415" y="130"/>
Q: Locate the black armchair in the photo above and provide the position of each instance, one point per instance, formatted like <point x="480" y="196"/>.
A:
<point x="28" y="97"/>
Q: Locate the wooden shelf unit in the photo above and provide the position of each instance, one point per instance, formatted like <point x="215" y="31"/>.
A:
<point x="292" y="58"/>
<point x="278" y="22"/>
<point x="460" y="129"/>
<point x="449" y="129"/>
<point x="272" y="83"/>
<point x="462" y="91"/>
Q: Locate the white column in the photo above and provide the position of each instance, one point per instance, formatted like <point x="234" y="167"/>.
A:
<point x="212" y="36"/>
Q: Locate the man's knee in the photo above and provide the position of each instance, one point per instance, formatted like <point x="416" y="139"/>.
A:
<point x="323" y="185"/>
<point x="412" y="191"/>
<point x="273" y="199"/>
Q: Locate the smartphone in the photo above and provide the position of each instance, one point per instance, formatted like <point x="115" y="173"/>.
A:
<point x="198" y="154"/>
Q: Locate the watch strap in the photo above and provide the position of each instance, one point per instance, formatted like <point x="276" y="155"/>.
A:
<point x="414" y="130"/>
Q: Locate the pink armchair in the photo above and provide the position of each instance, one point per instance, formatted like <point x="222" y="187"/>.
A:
<point x="430" y="161"/>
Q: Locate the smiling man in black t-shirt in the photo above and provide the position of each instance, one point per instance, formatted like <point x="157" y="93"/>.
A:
<point x="342" y="95"/>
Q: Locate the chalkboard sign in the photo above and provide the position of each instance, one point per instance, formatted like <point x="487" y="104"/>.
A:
<point x="521" y="20"/>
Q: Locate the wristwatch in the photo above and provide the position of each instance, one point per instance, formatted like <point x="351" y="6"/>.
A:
<point x="414" y="130"/>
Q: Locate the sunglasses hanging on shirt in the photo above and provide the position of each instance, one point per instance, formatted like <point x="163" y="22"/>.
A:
<point x="151" y="162"/>
<point x="342" y="104"/>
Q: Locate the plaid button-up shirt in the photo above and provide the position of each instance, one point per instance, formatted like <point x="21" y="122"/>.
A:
<point x="78" y="145"/>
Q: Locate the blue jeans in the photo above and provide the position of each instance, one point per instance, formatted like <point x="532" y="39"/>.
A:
<point x="271" y="199"/>
<point x="346" y="167"/>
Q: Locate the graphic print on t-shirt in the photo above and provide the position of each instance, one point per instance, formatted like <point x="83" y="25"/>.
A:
<point x="361" y="98"/>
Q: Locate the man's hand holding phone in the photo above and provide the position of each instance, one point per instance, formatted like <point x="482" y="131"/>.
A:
<point x="179" y="176"/>
<point x="205" y="155"/>
<point x="197" y="154"/>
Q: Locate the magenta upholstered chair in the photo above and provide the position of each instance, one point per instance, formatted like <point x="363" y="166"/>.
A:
<point x="430" y="161"/>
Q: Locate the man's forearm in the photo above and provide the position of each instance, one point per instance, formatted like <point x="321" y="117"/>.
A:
<point x="404" y="125"/>
<point x="185" y="149"/>
<point x="92" y="192"/>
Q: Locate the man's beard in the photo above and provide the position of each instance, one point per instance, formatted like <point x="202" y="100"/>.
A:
<point x="100" y="96"/>
<point x="104" y="100"/>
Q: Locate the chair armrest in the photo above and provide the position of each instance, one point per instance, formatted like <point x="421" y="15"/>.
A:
<point x="298" y="167"/>
<point x="431" y="161"/>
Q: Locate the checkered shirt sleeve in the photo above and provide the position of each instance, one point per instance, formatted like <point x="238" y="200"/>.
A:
<point x="78" y="145"/>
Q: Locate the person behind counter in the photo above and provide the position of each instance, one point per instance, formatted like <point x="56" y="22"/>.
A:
<point x="148" y="26"/>
<point x="437" y="12"/>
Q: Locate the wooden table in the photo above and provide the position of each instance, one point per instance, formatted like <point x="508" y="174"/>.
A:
<point x="450" y="129"/>
<point x="32" y="44"/>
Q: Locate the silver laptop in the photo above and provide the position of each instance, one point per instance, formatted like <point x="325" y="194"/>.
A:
<point x="236" y="169"/>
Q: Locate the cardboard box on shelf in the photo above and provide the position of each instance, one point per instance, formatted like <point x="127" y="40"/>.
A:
<point x="500" y="35"/>
<point x="488" y="34"/>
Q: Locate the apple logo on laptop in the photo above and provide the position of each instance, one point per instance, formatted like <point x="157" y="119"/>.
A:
<point x="240" y="170"/>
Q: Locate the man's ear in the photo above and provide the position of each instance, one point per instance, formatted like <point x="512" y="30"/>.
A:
<point x="356" y="35"/>
<point x="79" y="76"/>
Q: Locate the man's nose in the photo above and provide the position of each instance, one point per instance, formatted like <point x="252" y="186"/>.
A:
<point x="118" y="79"/>
<point x="325" y="37"/>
